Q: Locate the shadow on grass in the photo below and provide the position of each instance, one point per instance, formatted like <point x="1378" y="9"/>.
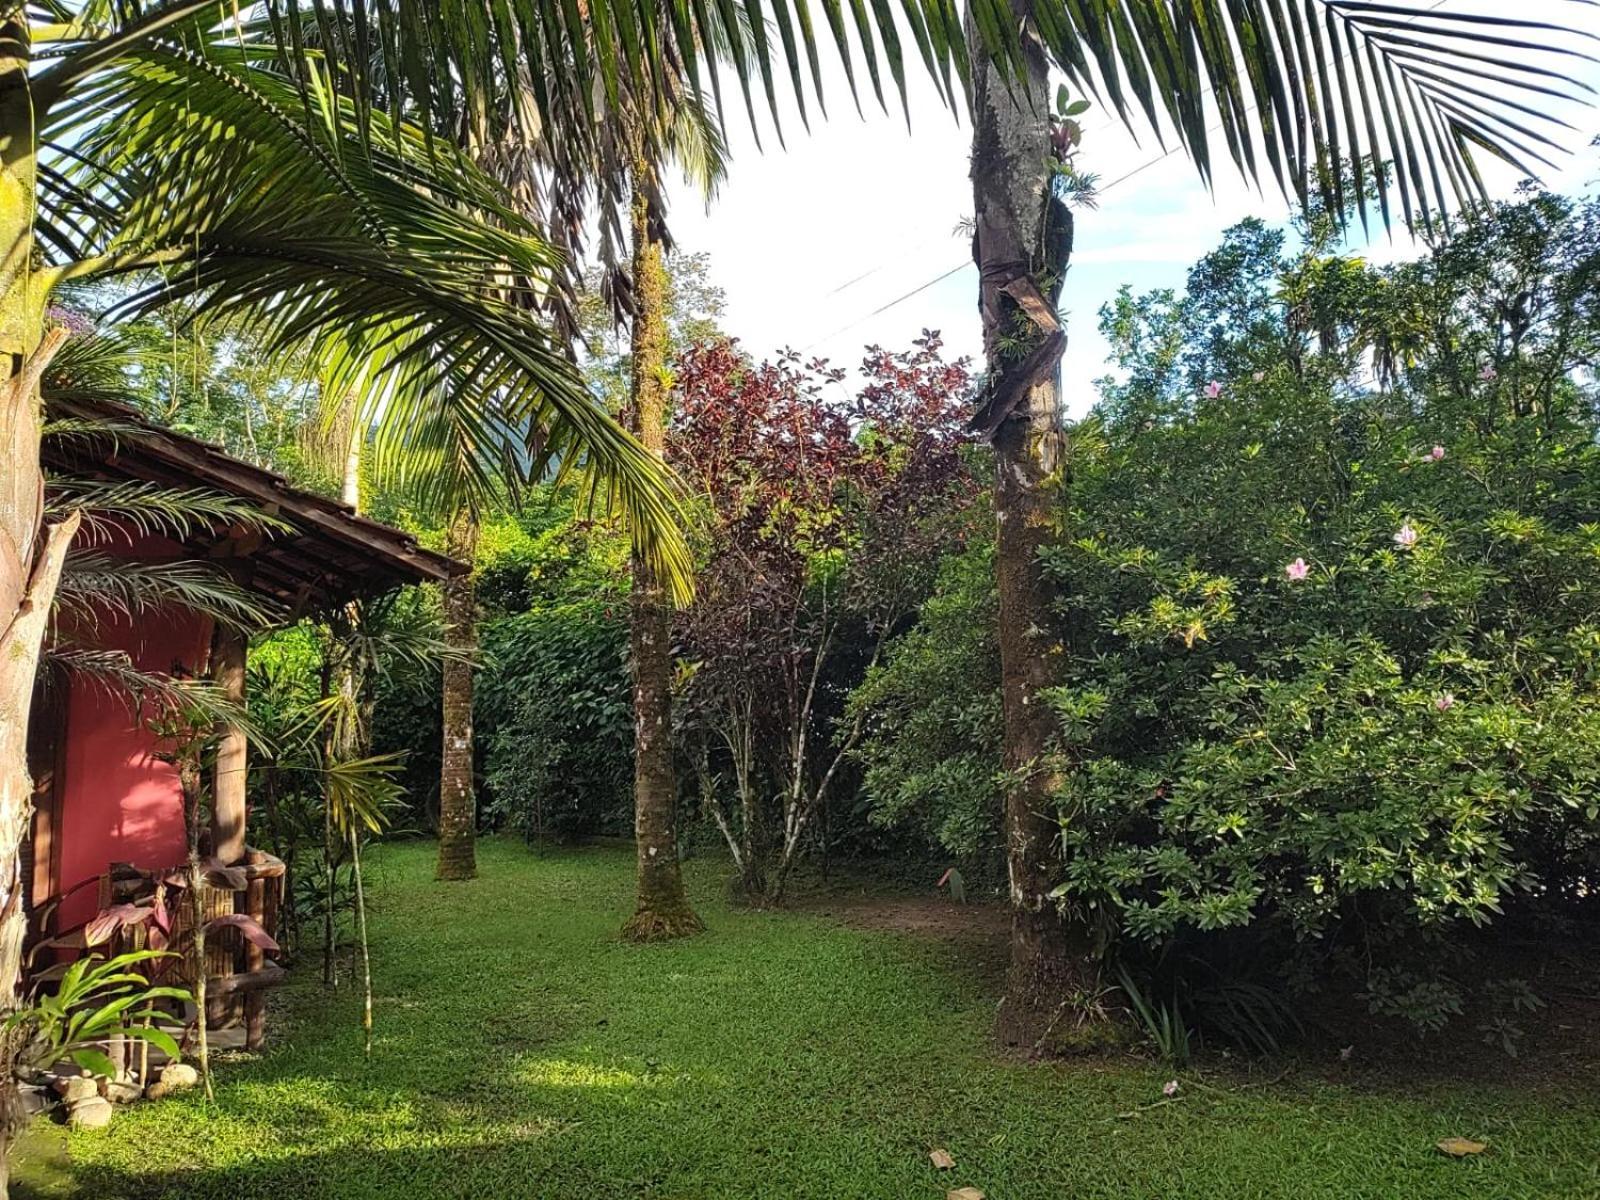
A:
<point x="347" y="1172"/>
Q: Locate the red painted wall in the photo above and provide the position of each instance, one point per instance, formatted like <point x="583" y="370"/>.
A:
<point x="119" y="803"/>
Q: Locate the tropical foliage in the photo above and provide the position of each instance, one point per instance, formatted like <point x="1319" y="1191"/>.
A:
<point x="1325" y="571"/>
<point x="1293" y="91"/>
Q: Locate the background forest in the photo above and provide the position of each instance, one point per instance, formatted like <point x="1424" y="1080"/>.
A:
<point x="1326" y="549"/>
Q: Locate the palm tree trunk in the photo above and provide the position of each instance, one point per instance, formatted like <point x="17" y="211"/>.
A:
<point x="330" y="947"/>
<point x="189" y="784"/>
<point x="1014" y="251"/>
<point x="350" y="493"/>
<point x="31" y="553"/>
<point x="361" y="940"/>
<point x="663" y="909"/>
<point x="458" y="816"/>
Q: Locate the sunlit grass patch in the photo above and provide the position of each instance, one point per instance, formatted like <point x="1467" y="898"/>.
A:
<point x="524" y="1051"/>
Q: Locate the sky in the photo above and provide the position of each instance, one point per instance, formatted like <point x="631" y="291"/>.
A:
<point x="810" y="240"/>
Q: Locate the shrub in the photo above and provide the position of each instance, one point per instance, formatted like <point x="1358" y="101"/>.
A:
<point x="1333" y="688"/>
<point x="556" y="706"/>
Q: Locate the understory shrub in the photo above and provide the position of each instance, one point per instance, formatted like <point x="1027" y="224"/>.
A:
<point x="1328" y="577"/>
<point x="558" y="716"/>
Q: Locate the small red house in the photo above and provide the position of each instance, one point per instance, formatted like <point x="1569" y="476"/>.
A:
<point x="102" y="797"/>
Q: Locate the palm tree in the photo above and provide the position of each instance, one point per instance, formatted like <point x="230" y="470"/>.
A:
<point x="651" y="133"/>
<point x="1314" y="110"/>
<point x="558" y="179"/>
<point x="148" y="141"/>
<point x="458" y="812"/>
<point x="662" y="909"/>
<point x="1403" y="93"/>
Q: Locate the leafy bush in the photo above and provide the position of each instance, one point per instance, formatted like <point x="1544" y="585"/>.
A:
<point x="931" y="753"/>
<point x="1334" y="674"/>
<point x="557" y="711"/>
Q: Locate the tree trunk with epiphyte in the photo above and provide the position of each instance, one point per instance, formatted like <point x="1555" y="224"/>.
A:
<point x="31" y="552"/>
<point x="662" y="910"/>
<point x="1021" y="242"/>
<point x="458" y="808"/>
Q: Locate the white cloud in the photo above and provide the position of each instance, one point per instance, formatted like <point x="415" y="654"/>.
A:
<point x="809" y="242"/>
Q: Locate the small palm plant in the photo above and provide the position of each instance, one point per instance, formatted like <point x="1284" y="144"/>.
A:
<point x="98" y="1000"/>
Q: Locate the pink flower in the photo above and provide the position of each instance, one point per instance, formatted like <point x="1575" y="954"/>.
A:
<point x="1297" y="570"/>
<point x="1258" y="376"/>
<point x="1436" y="453"/>
<point x="1170" y="1088"/>
<point x="1406" y="537"/>
<point x="1444" y="702"/>
<point x="1213" y="390"/>
<point x="1488" y="374"/>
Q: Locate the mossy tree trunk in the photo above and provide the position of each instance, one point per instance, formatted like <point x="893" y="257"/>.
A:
<point x="458" y="808"/>
<point x="1021" y="242"/>
<point x="663" y="909"/>
<point x="31" y="552"/>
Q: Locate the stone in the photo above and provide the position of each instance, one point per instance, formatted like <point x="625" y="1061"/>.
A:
<point x="92" y="1112"/>
<point x="73" y="1088"/>
<point x="966" y="1193"/>
<point x="179" y="1077"/>
<point x="121" y="1091"/>
<point x="36" y="1099"/>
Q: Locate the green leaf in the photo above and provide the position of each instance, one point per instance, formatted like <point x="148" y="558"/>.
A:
<point x="95" y="1062"/>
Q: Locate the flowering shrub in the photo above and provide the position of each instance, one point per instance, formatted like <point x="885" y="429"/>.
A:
<point x="1334" y="641"/>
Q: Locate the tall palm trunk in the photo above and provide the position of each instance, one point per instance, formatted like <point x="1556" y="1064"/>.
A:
<point x="663" y="909"/>
<point x="361" y="731"/>
<point x="330" y="857"/>
<point x="458" y="815"/>
<point x="31" y="553"/>
<point x="1019" y="249"/>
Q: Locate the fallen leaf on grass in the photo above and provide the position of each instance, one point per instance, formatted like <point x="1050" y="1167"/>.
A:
<point x="964" y="1194"/>
<point x="1457" y="1147"/>
<point x="941" y="1159"/>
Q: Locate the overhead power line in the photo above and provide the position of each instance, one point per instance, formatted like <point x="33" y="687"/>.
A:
<point x="1100" y="191"/>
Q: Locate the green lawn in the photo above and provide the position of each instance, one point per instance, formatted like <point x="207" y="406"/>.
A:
<point x="524" y="1052"/>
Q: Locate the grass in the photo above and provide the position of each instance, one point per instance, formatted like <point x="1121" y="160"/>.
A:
<point x="524" y="1051"/>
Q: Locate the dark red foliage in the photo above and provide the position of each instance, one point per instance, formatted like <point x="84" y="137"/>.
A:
<point x="824" y="512"/>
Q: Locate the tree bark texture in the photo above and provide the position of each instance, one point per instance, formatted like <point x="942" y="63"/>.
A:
<point x="458" y="810"/>
<point x="662" y="910"/>
<point x="31" y="553"/>
<point x="229" y="648"/>
<point x="1015" y="249"/>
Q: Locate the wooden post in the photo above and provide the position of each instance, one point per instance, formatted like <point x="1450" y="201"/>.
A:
<point x="255" y="958"/>
<point x="228" y="789"/>
<point x="221" y="954"/>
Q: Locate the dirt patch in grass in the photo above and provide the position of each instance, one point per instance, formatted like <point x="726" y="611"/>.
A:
<point x="1556" y="1046"/>
<point x="976" y="930"/>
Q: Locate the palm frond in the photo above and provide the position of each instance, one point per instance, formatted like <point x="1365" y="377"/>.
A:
<point x="289" y="226"/>
<point x="389" y="638"/>
<point x="1291" y="89"/>
<point x="93" y="584"/>
<point x="140" y="690"/>
<point x="89" y="360"/>
<point x="90" y="429"/>
<point x="362" y="792"/>
<point x="133" y="507"/>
